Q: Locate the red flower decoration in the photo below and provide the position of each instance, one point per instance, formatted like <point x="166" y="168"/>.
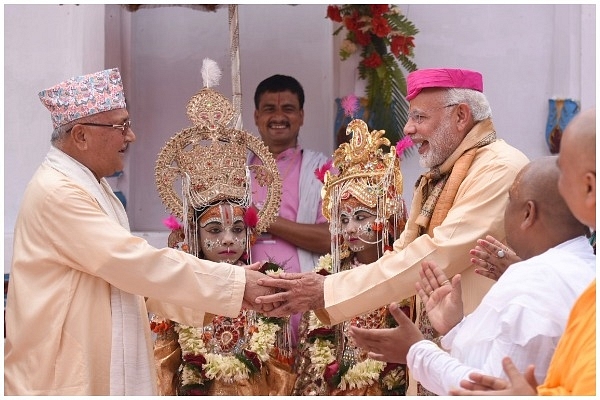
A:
<point x="333" y="13"/>
<point x="352" y="22"/>
<point x="381" y="28"/>
<point x="331" y="371"/>
<point x="320" y="172"/>
<point x="196" y="360"/>
<point x="383" y="37"/>
<point x="401" y="45"/>
<point x="320" y="333"/>
<point x="373" y="61"/>
<point x="379" y="9"/>
<point x="269" y="266"/>
<point x="253" y="358"/>
<point x="362" y="38"/>
<point x="251" y="217"/>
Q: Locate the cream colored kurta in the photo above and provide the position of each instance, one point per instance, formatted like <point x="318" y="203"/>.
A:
<point x="478" y="210"/>
<point x="67" y="254"/>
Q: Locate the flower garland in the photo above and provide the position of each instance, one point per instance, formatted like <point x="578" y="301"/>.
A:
<point x="323" y="361"/>
<point x="199" y="366"/>
<point x="384" y="37"/>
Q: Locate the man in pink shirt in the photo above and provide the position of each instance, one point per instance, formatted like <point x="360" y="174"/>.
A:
<point x="300" y="234"/>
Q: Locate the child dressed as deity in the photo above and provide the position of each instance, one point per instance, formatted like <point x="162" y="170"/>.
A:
<point x="203" y="179"/>
<point x="227" y="355"/>
<point x="365" y="208"/>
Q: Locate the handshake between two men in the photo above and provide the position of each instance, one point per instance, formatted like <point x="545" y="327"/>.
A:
<point x="284" y="294"/>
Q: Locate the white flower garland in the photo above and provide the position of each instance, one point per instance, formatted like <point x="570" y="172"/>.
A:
<point x="227" y="368"/>
<point x="360" y="375"/>
<point x="325" y="262"/>
<point x="263" y="341"/>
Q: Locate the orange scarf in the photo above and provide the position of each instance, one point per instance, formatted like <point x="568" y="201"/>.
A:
<point x="436" y="189"/>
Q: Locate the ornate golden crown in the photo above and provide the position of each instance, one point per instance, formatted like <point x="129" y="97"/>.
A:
<point x="365" y="172"/>
<point x="208" y="160"/>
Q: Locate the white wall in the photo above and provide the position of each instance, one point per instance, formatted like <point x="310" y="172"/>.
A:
<point x="165" y="73"/>
<point x="43" y="45"/>
<point x="527" y="54"/>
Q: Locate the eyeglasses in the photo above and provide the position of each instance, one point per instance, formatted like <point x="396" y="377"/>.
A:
<point x="418" y="116"/>
<point x="123" y="127"/>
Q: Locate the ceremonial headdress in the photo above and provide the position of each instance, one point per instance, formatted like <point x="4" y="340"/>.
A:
<point x="208" y="163"/>
<point x="442" y="78"/>
<point x="370" y="175"/>
<point x="85" y="95"/>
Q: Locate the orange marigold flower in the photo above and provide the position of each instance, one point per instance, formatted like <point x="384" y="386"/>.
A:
<point x="333" y="13"/>
<point x="380" y="28"/>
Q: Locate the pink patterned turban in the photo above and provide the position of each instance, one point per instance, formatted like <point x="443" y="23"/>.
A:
<point x="442" y="78"/>
<point x="85" y="95"/>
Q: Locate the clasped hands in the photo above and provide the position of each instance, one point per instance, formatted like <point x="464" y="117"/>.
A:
<point x="282" y="295"/>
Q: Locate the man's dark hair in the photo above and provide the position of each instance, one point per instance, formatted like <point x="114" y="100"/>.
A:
<point x="279" y="83"/>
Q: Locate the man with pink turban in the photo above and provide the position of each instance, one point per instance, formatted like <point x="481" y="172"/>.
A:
<point x="459" y="199"/>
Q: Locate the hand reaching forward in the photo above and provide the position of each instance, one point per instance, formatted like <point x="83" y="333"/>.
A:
<point x="442" y="298"/>
<point x="485" y="385"/>
<point x="253" y="289"/>
<point x="296" y="292"/>
<point x="390" y="344"/>
<point x="486" y="256"/>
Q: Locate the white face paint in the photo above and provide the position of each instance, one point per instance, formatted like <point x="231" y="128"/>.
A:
<point x="358" y="227"/>
<point x="222" y="233"/>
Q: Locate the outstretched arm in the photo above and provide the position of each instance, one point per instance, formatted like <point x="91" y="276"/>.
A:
<point x="300" y="292"/>
<point x="252" y="289"/>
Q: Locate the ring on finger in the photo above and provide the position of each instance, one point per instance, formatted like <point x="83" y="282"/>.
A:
<point x="446" y="282"/>
<point x="501" y="253"/>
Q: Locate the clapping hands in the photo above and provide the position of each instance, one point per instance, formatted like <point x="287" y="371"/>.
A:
<point x="442" y="297"/>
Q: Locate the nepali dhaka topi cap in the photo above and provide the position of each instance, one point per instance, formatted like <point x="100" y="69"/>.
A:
<point x="442" y="78"/>
<point x="85" y="95"/>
